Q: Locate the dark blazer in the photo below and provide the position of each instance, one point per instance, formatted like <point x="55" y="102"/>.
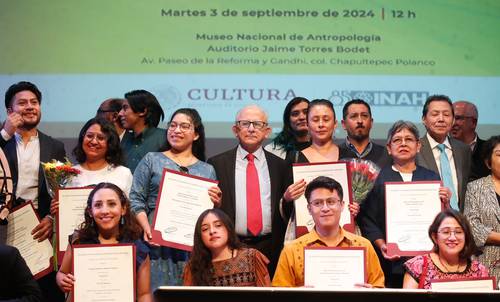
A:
<point x="50" y="148"/>
<point x="461" y="157"/>
<point x="280" y="176"/>
<point x="17" y="281"/>
<point x="479" y="168"/>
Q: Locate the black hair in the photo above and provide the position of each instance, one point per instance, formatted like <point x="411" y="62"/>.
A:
<point x="321" y="102"/>
<point x="113" y="153"/>
<point x="18" y="87"/>
<point x="352" y="102"/>
<point x="488" y="148"/>
<point x="287" y="139"/>
<point x="144" y="101"/>
<point x="198" y="148"/>
<point x="326" y="183"/>
<point x="200" y="261"/>
<point x="436" y="98"/>
<point x="470" y="247"/>
<point x="129" y="230"/>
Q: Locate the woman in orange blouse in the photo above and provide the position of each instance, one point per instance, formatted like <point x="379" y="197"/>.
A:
<point x="219" y="259"/>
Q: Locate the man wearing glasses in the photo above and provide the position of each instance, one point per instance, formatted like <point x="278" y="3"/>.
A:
<point x="253" y="181"/>
<point x="464" y="129"/>
<point x="325" y="202"/>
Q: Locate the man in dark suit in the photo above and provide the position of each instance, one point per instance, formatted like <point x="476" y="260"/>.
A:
<point x="253" y="182"/>
<point x="17" y="281"/>
<point x="442" y="154"/>
<point x="464" y="129"/>
<point x="26" y="147"/>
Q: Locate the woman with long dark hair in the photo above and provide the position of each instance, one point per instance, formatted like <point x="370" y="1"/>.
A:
<point x="108" y="220"/>
<point x="294" y="136"/>
<point x="219" y="259"/>
<point x="99" y="158"/>
<point x="185" y="153"/>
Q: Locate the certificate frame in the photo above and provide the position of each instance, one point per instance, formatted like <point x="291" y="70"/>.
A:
<point x="59" y="238"/>
<point x="338" y="249"/>
<point x="392" y="247"/>
<point x="157" y="236"/>
<point x="301" y="203"/>
<point x="491" y="279"/>
<point x="50" y="268"/>
<point x="134" y="268"/>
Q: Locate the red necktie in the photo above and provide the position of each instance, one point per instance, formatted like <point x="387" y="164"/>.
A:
<point x="254" y="207"/>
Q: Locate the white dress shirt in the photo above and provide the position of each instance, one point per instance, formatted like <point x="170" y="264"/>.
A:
<point x="240" y="188"/>
<point x="449" y="153"/>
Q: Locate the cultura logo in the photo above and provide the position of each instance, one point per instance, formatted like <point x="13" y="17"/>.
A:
<point x="240" y="94"/>
<point x="380" y="98"/>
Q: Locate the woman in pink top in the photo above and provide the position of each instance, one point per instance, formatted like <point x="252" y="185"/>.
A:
<point x="451" y="256"/>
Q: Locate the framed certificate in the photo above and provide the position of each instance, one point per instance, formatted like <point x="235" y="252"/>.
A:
<point x="336" y="170"/>
<point x="72" y="204"/>
<point x="334" y="267"/>
<point x="479" y="284"/>
<point x="410" y="208"/>
<point x="38" y="255"/>
<point x="104" y="272"/>
<point x="181" y="200"/>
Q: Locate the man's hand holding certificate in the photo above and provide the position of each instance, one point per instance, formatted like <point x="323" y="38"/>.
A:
<point x="37" y="255"/>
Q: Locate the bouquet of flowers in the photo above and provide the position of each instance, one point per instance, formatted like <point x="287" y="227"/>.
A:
<point x="363" y="174"/>
<point x="58" y="174"/>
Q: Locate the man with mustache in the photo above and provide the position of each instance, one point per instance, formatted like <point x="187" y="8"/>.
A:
<point x="25" y="148"/>
<point x="357" y="122"/>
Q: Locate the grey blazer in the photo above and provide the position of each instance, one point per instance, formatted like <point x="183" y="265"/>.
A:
<point x="461" y="157"/>
<point x="483" y="211"/>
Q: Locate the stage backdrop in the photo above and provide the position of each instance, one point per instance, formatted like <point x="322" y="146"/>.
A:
<point x="219" y="55"/>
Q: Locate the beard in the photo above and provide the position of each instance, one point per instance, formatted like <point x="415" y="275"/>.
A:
<point x="358" y="136"/>
<point x="31" y="124"/>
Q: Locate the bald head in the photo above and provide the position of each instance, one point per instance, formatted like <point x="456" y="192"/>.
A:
<point x="464" y="126"/>
<point x="251" y="128"/>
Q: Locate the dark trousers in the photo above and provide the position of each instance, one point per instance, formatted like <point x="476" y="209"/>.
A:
<point x="50" y="290"/>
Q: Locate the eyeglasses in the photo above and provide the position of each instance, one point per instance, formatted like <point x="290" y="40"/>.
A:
<point x="99" y="137"/>
<point x="400" y="140"/>
<point x="183" y="126"/>
<point x="256" y="124"/>
<point x="330" y="202"/>
<point x="184" y="169"/>
<point x="448" y="232"/>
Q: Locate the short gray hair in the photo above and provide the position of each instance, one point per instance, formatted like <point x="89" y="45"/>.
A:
<point x="400" y="125"/>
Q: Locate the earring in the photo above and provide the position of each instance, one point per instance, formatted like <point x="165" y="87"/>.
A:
<point x="122" y="220"/>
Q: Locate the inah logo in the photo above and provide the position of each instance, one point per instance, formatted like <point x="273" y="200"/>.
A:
<point x="380" y="98"/>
